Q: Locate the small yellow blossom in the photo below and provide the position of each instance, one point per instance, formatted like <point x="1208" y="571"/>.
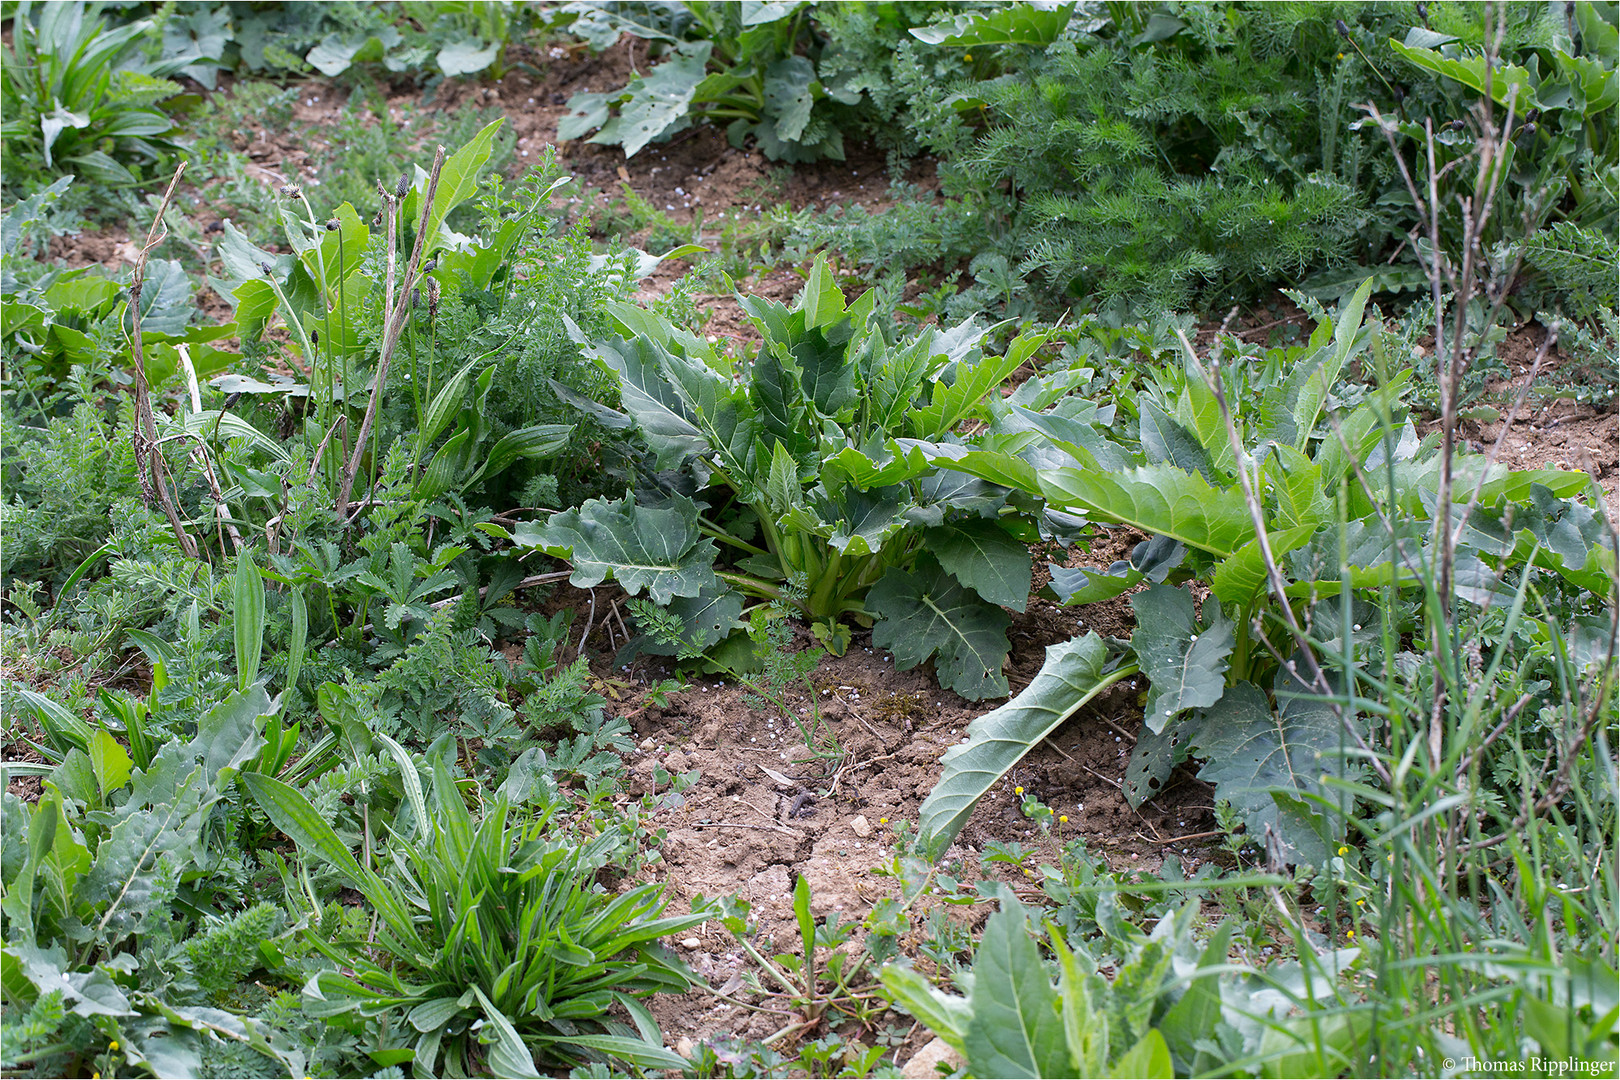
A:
<point x="1361" y="903"/>
<point x="1343" y="850"/>
<point x="967" y="57"/>
<point x="113" y="1045"/>
<point x="1018" y="791"/>
<point x="1349" y="933"/>
<point x="1063" y="818"/>
<point x="883" y="821"/>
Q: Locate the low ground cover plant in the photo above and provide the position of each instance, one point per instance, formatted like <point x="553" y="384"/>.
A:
<point x="309" y="772"/>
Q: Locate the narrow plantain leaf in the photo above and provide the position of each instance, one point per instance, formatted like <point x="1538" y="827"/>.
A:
<point x="300" y="638"/>
<point x="1072" y="675"/>
<point x="926" y="612"/>
<point x="290" y="811"/>
<point x="1186" y="667"/>
<point x="248" y="619"/>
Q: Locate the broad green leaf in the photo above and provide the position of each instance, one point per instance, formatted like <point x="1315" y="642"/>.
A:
<point x="458" y="181"/>
<point x="1505" y="79"/>
<point x="248" y="618"/>
<point x="110" y="761"/>
<point x="1251" y="751"/>
<point x="1185" y="666"/>
<point x="1008" y="470"/>
<point x="1072" y="675"/>
<point x="926" y="613"/>
<point x="660" y="550"/>
<point x="981" y="555"/>
<point x="1242" y="575"/>
<point x="1015" y="1030"/>
<point x="126" y="879"/>
<point x="1194" y="1016"/>
<point x="946" y="1015"/>
<point x="1149" y="1059"/>
<point x="659" y="100"/>
<point x="709" y="618"/>
<point x="862" y="521"/>
<point x="232" y="732"/>
<point x="893" y="466"/>
<point x="1165" y="441"/>
<point x="1021" y="24"/>
<point x="1084" y="1027"/>
<point x="1290" y="410"/>
<point x="587" y="111"/>
<point x="788" y="95"/>
<point x="468" y="56"/>
<point x="775" y="395"/>
<point x="647" y="395"/>
<point x="949" y="404"/>
<point x="1156" y="499"/>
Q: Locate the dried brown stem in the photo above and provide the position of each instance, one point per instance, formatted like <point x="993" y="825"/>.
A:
<point x="399" y="310"/>
<point x="148" y="457"/>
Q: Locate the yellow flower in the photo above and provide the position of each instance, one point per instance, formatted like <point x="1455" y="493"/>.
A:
<point x="113" y="1045"/>
<point x="1063" y="818"/>
<point x="1349" y="933"/>
<point x="1361" y="903"/>
<point x="1028" y="872"/>
<point x="967" y="57"/>
<point x="1018" y="791"/>
<point x="883" y="821"/>
<point x="1343" y="850"/>
<point x="1341" y="56"/>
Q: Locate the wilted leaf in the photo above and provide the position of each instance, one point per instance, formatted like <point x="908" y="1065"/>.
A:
<point x="1072" y="675"/>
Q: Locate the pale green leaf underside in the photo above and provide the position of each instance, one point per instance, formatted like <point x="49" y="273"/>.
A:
<point x="1071" y="676"/>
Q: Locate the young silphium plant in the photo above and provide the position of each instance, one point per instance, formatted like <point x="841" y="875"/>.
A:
<point x="809" y="466"/>
<point x="1299" y="504"/>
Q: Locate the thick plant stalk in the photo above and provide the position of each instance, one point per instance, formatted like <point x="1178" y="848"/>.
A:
<point x="148" y="457"/>
<point x="1318" y="681"/>
<point x="399" y="309"/>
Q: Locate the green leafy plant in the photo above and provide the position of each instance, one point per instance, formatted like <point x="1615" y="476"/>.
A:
<point x="1284" y="519"/>
<point x="520" y="956"/>
<point x="762" y="70"/>
<point x="815" y="452"/>
<point x="79" y="96"/>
